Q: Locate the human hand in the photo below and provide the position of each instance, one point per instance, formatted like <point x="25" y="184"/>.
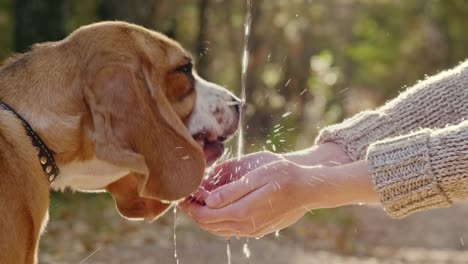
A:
<point x="233" y="169"/>
<point x="327" y="154"/>
<point x="263" y="200"/>
<point x="276" y="195"/>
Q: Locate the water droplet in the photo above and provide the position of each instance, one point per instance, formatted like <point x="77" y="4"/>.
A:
<point x="246" y="250"/>
<point x="277" y="233"/>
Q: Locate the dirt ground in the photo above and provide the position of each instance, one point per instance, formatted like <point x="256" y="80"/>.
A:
<point x="357" y="234"/>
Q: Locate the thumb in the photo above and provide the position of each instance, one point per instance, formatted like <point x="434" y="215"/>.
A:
<point x="234" y="191"/>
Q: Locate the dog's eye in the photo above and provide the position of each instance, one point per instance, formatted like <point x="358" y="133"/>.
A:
<point x="185" y="69"/>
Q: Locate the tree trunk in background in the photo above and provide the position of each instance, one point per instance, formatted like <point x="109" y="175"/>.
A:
<point x="140" y="12"/>
<point x="202" y="39"/>
<point x="39" y="21"/>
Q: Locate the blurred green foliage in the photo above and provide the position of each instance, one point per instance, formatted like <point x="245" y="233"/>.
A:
<point x="312" y="62"/>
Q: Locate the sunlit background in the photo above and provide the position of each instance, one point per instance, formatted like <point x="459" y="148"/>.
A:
<point x="312" y="63"/>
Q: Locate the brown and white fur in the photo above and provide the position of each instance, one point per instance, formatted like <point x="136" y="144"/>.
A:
<point x="122" y="111"/>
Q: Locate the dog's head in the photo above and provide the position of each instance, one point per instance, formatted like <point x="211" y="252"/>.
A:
<point x="152" y="114"/>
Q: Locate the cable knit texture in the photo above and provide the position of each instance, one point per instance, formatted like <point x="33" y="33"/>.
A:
<point x="433" y="103"/>
<point x="416" y="145"/>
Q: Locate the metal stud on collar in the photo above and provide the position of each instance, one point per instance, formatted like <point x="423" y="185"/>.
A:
<point x="46" y="159"/>
<point x="52" y="177"/>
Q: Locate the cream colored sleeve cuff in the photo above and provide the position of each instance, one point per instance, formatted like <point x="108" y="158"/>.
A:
<point x="406" y="172"/>
<point x="355" y="134"/>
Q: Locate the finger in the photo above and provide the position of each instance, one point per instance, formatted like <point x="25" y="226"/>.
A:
<point x="226" y="234"/>
<point x="286" y="221"/>
<point x="233" y="191"/>
<point x="240" y="227"/>
<point x="189" y="207"/>
<point x="215" y="178"/>
<point x="251" y="228"/>
<point x="199" y="195"/>
<point x="253" y="206"/>
<point x="245" y="228"/>
<point x="233" y="169"/>
<point x="204" y="214"/>
<point x="268" y="230"/>
<point x="226" y="167"/>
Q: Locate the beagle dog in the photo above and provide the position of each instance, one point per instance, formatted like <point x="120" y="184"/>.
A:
<point x="113" y="107"/>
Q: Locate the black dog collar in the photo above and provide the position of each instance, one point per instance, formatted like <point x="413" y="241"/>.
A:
<point x="46" y="159"/>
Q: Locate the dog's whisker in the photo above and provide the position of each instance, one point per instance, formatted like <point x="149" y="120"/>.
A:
<point x="90" y="255"/>
<point x="230" y="103"/>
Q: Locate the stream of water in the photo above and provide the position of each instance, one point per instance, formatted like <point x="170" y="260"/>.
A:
<point x="245" y="66"/>
<point x="175" y="235"/>
<point x="240" y="137"/>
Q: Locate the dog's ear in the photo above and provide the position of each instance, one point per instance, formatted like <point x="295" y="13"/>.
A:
<point x="135" y="127"/>
<point x="130" y="204"/>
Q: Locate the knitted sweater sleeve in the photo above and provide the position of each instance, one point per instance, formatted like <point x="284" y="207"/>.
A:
<point x="433" y="103"/>
<point x="421" y="170"/>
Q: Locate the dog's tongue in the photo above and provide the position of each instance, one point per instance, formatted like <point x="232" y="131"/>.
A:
<point x="213" y="150"/>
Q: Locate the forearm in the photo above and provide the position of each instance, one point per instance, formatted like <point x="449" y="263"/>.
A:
<point x="433" y="103"/>
<point x="330" y="187"/>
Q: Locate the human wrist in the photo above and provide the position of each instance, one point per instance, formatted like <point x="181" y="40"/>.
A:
<point x="356" y="133"/>
<point x="335" y="155"/>
<point x="356" y="182"/>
